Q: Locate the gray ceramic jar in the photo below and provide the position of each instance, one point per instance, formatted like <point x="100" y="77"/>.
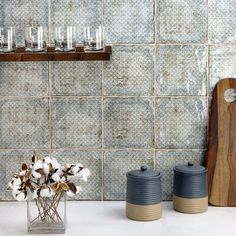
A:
<point x="190" y="188"/>
<point x="143" y="195"/>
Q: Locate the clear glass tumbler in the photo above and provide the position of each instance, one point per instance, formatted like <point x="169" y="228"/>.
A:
<point x="7" y="39"/>
<point x="93" y="38"/>
<point x="35" y="39"/>
<point x="64" y="38"/>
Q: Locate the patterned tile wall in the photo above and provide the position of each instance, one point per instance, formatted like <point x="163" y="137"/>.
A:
<point x="148" y="105"/>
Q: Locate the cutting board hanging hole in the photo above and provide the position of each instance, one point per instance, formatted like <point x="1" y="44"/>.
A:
<point x="230" y="95"/>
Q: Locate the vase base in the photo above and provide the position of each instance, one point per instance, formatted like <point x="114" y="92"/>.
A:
<point x="46" y="230"/>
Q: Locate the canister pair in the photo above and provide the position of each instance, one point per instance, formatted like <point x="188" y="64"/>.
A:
<point x="143" y="196"/>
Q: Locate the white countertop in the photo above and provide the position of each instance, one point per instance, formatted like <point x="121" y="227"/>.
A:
<point x="108" y="219"/>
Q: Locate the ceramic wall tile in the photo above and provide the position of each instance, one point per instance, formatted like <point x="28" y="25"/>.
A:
<point x="221" y="20"/>
<point x="116" y="165"/>
<point x="76" y="123"/>
<point x="128" y="21"/>
<point x="10" y="164"/>
<point x="128" y="123"/>
<point x="77" y="13"/>
<point x="222" y="64"/>
<point x="91" y="190"/>
<point x="181" y="70"/>
<point x="24" y="79"/>
<point x="73" y="78"/>
<point x="24" y="13"/>
<point x="181" y="21"/>
<point x="166" y="160"/>
<point x="181" y="123"/>
<point x="24" y="123"/>
<point x="130" y="71"/>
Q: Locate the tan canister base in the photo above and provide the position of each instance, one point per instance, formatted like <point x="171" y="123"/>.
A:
<point x="190" y="205"/>
<point x="144" y="212"/>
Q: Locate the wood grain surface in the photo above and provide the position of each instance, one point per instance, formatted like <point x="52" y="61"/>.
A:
<point x="221" y="156"/>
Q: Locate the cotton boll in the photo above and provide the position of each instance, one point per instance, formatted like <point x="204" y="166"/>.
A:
<point x="69" y="193"/>
<point x="46" y="192"/>
<point x="15" y="182"/>
<point x="46" y="168"/>
<point x="47" y="160"/>
<point x="55" y="164"/>
<point x="20" y="196"/>
<point x="56" y="177"/>
<point x="36" y="175"/>
<point x="78" y="189"/>
<point x="38" y="165"/>
<point x="23" y="173"/>
<point x="84" y="174"/>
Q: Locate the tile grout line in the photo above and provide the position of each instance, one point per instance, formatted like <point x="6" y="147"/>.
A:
<point x="50" y="103"/>
<point x="102" y="99"/>
<point x="49" y="22"/>
<point x="155" y="83"/>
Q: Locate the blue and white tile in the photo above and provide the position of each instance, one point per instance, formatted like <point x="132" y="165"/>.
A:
<point x="128" y="123"/>
<point x="181" y="70"/>
<point x="117" y="164"/>
<point x="24" y="123"/>
<point x="92" y="189"/>
<point x="166" y="160"/>
<point x="128" y="21"/>
<point x="78" y="13"/>
<point x="76" y="79"/>
<point x="24" y="13"/>
<point x="130" y="71"/>
<point x="23" y="79"/>
<point x="181" y="21"/>
<point x="181" y="123"/>
<point x="76" y="123"/>
<point x="222" y="64"/>
<point x="221" y="21"/>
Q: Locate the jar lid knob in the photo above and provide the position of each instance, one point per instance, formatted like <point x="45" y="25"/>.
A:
<point x="190" y="163"/>
<point x="143" y="168"/>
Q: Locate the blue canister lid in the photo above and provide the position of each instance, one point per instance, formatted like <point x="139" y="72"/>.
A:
<point x="144" y="173"/>
<point x="190" y="168"/>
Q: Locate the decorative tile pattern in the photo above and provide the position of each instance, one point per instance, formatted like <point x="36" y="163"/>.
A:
<point x="188" y="77"/>
<point x="73" y="78"/>
<point x="116" y="165"/>
<point x="76" y="123"/>
<point x="24" y="13"/>
<point x="10" y="163"/>
<point x="91" y="190"/>
<point x="77" y="13"/>
<point x="181" y="21"/>
<point x="222" y="64"/>
<point x="181" y="123"/>
<point x="24" y="79"/>
<point x="24" y="123"/>
<point x="221" y="20"/>
<point x="128" y="21"/>
<point x="130" y="71"/>
<point x="128" y="123"/>
<point x="166" y="160"/>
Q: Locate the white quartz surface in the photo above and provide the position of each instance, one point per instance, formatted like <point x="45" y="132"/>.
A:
<point x="87" y="218"/>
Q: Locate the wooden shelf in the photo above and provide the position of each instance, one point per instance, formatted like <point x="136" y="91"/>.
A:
<point x="51" y="55"/>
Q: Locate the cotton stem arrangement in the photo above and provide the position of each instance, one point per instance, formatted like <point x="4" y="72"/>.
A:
<point x="46" y="182"/>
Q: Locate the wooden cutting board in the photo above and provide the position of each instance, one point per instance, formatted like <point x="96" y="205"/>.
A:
<point x="221" y="156"/>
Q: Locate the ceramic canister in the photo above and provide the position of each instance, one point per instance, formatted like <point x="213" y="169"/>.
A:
<point x="190" y="188"/>
<point x="143" y="196"/>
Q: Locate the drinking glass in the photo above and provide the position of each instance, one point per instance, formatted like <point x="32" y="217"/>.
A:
<point x="35" y="39"/>
<point x="64" y="38"/>
<point x="93" y="38"/>
<point x="7" y="39"/>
